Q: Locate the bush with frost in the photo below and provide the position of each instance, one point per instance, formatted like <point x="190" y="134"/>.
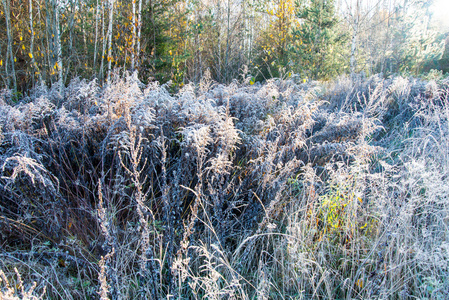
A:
<point x="274" y="190"/>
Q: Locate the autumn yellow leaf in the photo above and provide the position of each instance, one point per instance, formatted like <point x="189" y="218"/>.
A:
<point x="360" y="283"/>
<point x="30" y="55"/>
<point x="1" y="62"/>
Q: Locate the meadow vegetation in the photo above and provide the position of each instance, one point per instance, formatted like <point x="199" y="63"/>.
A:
<point x="281" y="190"/>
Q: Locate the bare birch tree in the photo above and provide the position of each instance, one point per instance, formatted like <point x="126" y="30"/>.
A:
<point x="139" y="32"/>
<point x="31" y="54"/>
<point x="133" y="40"/>
<point x="355" y="32"/>
<point x="58" y="49"/>
<point x="9" y="62"/>
<point x="111" y="20"/>
<point x="97" y="16"/>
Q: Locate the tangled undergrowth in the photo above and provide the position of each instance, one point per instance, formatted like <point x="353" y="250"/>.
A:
<point x="280" y="190"/>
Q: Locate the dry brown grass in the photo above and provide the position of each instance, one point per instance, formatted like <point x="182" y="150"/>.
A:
<point x="333" y="190"/>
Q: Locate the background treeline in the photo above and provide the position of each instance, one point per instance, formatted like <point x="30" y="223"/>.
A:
<point x="53" y="41"/>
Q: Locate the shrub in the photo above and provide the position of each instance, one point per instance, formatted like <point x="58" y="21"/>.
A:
<point x="318" y="190"/>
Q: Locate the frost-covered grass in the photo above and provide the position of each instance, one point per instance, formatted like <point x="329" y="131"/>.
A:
<point x="267" y="191"/>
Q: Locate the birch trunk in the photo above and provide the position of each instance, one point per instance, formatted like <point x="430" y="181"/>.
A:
<point x="70" y="53"/>
<point x="133" y="42"/>
<point x="96" y="36"/>
<point x="33" y="61"/>
<point x="139" y="31"/>
<point x="228" y="33"/>
<point x="49" y="39"/>
<point x="111" y="15"/>
<point x="356" y="16"/>
<point x="9" y="62"/>
<point x="58" y="65"/>
<point x="219" y="68"/>
<point x="104" y="41"/>
<point x="353" y="50"/>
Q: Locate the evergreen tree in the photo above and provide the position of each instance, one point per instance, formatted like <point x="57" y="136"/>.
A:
<point x="165" y="32"/>
<point x="318" y="43"/>
<point x="415" y="42"/>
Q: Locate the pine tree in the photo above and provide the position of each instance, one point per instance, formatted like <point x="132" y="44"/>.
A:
<point x="318" y="43"/>
<point x="415" y="42"/>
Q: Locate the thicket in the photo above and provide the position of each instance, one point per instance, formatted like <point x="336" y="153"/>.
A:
<point x="282" y="190"/>
<point x="54" y="41"/>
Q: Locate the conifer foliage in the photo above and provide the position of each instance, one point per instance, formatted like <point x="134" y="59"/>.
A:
<point x="319" y="43"/>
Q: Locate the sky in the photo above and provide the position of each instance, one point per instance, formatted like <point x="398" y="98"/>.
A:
<point x="440" y="11"/>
